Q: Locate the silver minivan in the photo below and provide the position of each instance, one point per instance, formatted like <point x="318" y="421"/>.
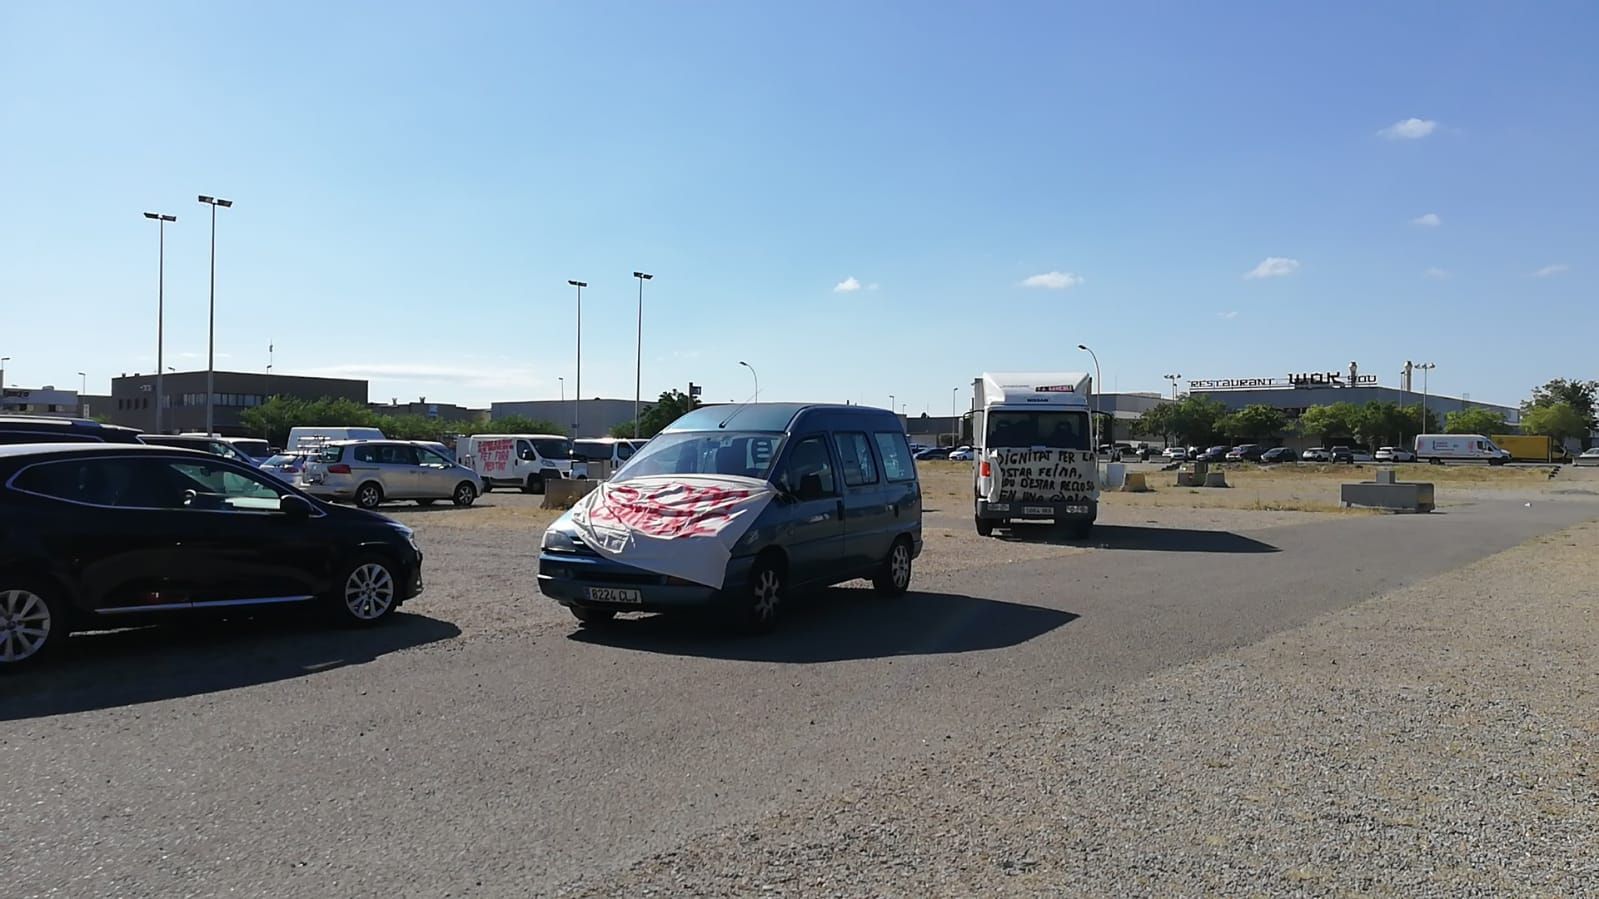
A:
<point x="371" y="472"/>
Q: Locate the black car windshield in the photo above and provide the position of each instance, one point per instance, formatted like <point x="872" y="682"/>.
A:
<point x="705" y="452"/>
<point x="1055" y="430"/>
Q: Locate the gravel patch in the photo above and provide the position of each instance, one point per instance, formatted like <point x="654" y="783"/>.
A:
<point x="1439" y="741"/>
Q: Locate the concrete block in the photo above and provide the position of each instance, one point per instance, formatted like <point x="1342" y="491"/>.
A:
<point x="563" y="493"/>
<point x="1385" y="476"/>
<point x="1217" y="478"/>
<point x="1135" y="483"/>
<point x="1394" y="497"/>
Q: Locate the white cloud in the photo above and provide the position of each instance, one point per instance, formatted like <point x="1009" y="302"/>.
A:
<point x="1430" y="220"/>
<point x="1272" y="267"/>
<point x="1549" y="271"/>
<point x="848" y="285"/>
<point x="1436" y="274"/>
<point x="1409" y="129"/>
<point x="1054" y="280"/>
<point x="1230" y="314"/>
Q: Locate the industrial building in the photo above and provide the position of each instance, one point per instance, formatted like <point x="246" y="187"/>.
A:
<point x="588" y="418"/>
<point x="133" y="398"/>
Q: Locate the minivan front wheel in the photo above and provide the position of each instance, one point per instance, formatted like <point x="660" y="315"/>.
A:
<point x="894" y="576"/>
<point x="763" y="596"/>
<point x="465" y="494"/>
<point x="31" y="625"/>
<point x="369" y="495"/>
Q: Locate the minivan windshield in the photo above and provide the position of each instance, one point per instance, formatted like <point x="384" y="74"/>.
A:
<point x="1055" y="430"/>
<point x="706" y="452"/>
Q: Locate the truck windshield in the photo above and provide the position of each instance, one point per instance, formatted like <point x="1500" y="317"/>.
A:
<point x="592" y="450"/>
<point x="701" y="452"/>
<point x="553" y="447"/>
<point x="1055" y="430"/>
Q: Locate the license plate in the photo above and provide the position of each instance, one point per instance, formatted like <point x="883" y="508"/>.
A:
<point x="1076" y="510"/>
<point x="999" y="507"/>
<point x="614" y="594"/>
<point x="1037" y="510"/>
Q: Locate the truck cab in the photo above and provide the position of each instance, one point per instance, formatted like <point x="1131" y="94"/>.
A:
<point x="1033" y="455"/>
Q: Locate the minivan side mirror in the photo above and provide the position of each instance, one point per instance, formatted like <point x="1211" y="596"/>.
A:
<point x="294" y="506"/>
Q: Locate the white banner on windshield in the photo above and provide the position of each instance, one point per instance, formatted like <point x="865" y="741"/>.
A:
<point x="681" y="526"/>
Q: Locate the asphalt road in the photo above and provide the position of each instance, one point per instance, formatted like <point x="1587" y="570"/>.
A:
<point x="417" y="760"/>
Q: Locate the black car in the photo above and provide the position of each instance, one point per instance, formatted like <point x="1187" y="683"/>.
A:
<point x="1214" y="454"/>
<point x="16" y="429"/>
<point x="933" y="452"/>
<point x="1279" y="454"/>
<point x="97" y="536"/>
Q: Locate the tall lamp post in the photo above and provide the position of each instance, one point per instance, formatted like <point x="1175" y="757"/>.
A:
<point x="1425" y="367"/>
<point x="577" y="390"/>
<point x="3" y="361"/>
<point x="638" y="363"/>
<point x="954" y="418"/>
<point x="1173" y="379"/>
<point x="753" y="375"/>
<point x="211" y="349"/>
<point x="160" y="220"/>
<point x="892" y="404"/>
<point x="1095" y="423"/>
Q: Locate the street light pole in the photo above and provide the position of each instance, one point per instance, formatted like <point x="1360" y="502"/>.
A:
<point x="577" y="392"/>
<point x="1425" y="368"/>
<point x="891" y="402"/>
<point x="211" y="349"/>
<point x="638" y="363"/>
<point x="3" y="361"/>
<point x="160" y="220"/>
<point x="83" y="386"/>
<point x="753" y="375"/>
<point x="563" y="388"/>
<point x="954" y="419"/>
<point x="1173" y="379"/>
<point x="1094" y="424"/>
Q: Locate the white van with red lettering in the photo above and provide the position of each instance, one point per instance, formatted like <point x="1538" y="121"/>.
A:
<point x="524" y="461"/>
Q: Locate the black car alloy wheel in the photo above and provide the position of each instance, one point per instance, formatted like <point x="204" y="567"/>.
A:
<point x="29" y="625"/>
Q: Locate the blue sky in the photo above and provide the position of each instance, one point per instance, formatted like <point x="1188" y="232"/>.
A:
<point x="415" y="183"/>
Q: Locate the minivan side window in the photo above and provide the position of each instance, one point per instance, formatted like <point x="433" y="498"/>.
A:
<point x="855" y="454"/>
<point x="896" y="456"/>
<point x="809" y="457"/>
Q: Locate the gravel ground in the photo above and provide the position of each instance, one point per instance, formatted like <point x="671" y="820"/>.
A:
<point x="1440" y="740"/>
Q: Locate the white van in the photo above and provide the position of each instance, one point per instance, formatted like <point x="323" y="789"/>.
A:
<point x="310" y="438"/>
<point x="519" y="460"/>
<point x="1441" y="448"/>
<point x="610" y="452"/>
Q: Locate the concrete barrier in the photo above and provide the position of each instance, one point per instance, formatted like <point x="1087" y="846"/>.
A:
<point x="1135" y="483"/>
<point x="1217" y="478"/>
<point x="561" y="494"/>
<point x="1386" y="491"/>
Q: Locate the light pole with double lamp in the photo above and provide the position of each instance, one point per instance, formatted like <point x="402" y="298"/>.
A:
<point x="160" y="220"/>
<point x="638" y="362"/>
<point x="211" y="349"/>
<point x="1173" y="379"/>
<point x="753" y="375"/>
<point x="577" y="392"/>
<point x="1425" y="367"/>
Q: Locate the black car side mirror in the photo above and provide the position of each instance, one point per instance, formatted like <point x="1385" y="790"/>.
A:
<point x="293" y="506"/>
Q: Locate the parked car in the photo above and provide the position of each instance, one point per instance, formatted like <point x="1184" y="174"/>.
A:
<point x="741" y="510"/>
<point x="964" y="454"/>
<point x="1175" y="453"/>
<point x="288" y="467"/>
<point x="254" y="447"/>
<point x="1315" y="454"/>
<point x="1588" y="457"/>
<point x="1214" y="454"/>
<point x="1393" y="454"/>
<point x="15" y="429"/>
<point x="1246" y="452"/>
<point x="372" y="472"/>
<point x="216" y="446"/>
<point x="100" y="536"/>
<point x="933" y="452"/>
<point x="1278" y="454"/>
<point x="1349" y="454"/>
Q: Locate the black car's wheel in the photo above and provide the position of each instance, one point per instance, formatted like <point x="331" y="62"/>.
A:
<point x="894" y="577"/>
<point x="369" y="495"/>
<point x="588" y="616"/>
<point x="465" y="494"/>
<point x="985" y="527"/>
<point x="32" y="624"/>
<point x="763" y="595"/>
<point x="366" y="593"/>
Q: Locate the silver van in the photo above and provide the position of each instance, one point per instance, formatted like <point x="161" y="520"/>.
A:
<point x="371" y="472"/>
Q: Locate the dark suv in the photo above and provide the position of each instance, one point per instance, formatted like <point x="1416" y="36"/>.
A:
<point x="100" y="536"/>
<point x="16" y="429"/>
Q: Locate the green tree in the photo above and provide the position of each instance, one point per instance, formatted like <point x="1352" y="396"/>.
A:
<point x="1257" y="422"/>
<point x="1332" y="420"/>
<point x="1475" y="421"/>
<point x="1156" y="421"/>
<point x="1195" y="418"/>
<point x="1558" y="420"/>
<point x="1388" y="424"/>
<point x="272" y="419"/>
<point x="669" y="407"/>
<point x="1581" y="396"/>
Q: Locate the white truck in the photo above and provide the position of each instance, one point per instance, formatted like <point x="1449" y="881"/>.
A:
<point x="1441" y="448"/>
<point x="1033" y="455"/>
<point x="524" y="461"/>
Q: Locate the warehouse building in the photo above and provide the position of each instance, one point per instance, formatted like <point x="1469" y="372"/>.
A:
<point x="133" y="398"/>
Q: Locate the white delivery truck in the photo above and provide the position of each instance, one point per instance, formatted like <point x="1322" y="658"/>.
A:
<point x="1033" y="454"/>
<point x="1441" y="448"/>
<point x="525" y="461"/>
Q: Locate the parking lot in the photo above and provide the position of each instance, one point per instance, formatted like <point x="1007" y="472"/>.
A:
<point x="480" y="743"/>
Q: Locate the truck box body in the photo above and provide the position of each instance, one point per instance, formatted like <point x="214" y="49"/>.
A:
<point x="1531" y="448"/>
<point x="1033" y="449"/>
